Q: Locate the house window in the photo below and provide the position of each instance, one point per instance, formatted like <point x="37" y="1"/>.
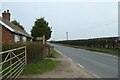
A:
<point x="16" y="38"/>
<point x="24" y="39"/>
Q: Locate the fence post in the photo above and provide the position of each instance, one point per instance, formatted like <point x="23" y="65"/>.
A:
<point x="0" y="49"/>
<point x="0" y="66"/>
<point x="10" y="64"/>
<point x="25" y="55"/>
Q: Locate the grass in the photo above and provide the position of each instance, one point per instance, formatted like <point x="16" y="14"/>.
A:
<point x="104" y="50"/>
<point x="54" y="54"/>
<point x="40" y="68"/>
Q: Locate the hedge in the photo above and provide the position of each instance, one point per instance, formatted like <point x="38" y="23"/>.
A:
<point x="34" y="50"/>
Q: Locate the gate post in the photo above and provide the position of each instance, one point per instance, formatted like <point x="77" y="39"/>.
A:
<point x="25" y="55"/>
<point x="0" y="49"/>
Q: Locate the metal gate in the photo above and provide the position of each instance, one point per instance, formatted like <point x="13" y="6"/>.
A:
<point x="13" y="62"/>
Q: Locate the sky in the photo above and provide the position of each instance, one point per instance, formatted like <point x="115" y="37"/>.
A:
<point x="82" y="20"/>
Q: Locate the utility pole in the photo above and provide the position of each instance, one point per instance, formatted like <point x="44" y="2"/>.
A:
<point x="67" y="35"/>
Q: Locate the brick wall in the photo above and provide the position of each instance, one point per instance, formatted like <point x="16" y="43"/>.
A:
<point x="7" y="36"/>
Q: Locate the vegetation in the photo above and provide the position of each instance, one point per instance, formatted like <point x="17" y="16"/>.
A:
<point x="34" y="50"/>
<point x="53" y="55"/>
<point x="41" y="28"/>
<point x="109" y="45"/>
<point x="105" y="50"/>
<point x="8" y="46"/>
<point x="35" y="62"/>
<point x="39" y="68"/>
<point x="18" y="24"/>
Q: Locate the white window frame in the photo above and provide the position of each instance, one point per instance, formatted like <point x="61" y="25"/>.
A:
<point x="16" y="38"/>
<point x="24" y="39"/>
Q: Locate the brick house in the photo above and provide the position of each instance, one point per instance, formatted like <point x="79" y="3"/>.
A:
<point x="10" y="32"/>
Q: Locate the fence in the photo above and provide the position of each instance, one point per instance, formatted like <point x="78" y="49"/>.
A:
<point x="13" y="62"/>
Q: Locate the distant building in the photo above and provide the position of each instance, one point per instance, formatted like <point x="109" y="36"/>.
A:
<point x="10" y="32"/>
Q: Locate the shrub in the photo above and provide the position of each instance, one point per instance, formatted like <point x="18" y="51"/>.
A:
<point x="8" y="46"/>
<point x="34" y="50"/>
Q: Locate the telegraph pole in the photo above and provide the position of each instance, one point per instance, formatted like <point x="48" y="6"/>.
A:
<point x="67" y="35"/>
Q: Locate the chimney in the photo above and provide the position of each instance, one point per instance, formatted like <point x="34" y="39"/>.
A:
<point x="6" y="15"/>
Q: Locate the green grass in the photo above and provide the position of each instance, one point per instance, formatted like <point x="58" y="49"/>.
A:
<point x="108" y="51"/>
<point x="54" y="54"/>
<point x="40" y="68"/>
<point x="104" y="50"/>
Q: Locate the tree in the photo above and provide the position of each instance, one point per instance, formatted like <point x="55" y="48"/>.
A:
<point x="41" y="28"/>
<point x="17" y="24"/>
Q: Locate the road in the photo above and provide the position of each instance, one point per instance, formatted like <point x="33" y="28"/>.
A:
<point x="98" y="64"/>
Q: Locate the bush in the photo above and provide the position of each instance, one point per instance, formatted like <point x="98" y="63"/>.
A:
<point x="34" y="50"/>
<point x="8" y="46"/>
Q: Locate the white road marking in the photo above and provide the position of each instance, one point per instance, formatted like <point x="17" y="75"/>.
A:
<point x="92" y="73"/>
<point x="63" y="55"/>
<point x="77" y="63"/>
<point x="96" y="75"/>
<point x="80" y="65"/>
<point x="70" y="59"/>
<point x="58" y="51"/>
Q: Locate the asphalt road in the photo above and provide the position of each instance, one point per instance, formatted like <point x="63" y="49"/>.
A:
<point x="98" y="64"/>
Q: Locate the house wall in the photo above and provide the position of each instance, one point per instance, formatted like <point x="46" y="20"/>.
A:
<point x="7" y="36"/>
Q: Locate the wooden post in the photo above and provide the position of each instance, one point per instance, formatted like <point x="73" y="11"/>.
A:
<point x="25" y="55"/>
<point x="0" y="49"/>
<point x="10" y="64"/>
<point x="43" y="39"/>
<point x="44" y="47"/>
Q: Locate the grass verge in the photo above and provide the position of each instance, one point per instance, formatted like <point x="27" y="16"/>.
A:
<point x="40" y="68"/>
<point x="54" y="54"/>
<point x="104" y="50"/>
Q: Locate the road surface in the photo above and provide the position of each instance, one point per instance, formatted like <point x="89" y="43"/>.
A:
<point x="98" y="64"/>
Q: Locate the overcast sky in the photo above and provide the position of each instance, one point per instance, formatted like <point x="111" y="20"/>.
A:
<point x="79" y="19"/>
